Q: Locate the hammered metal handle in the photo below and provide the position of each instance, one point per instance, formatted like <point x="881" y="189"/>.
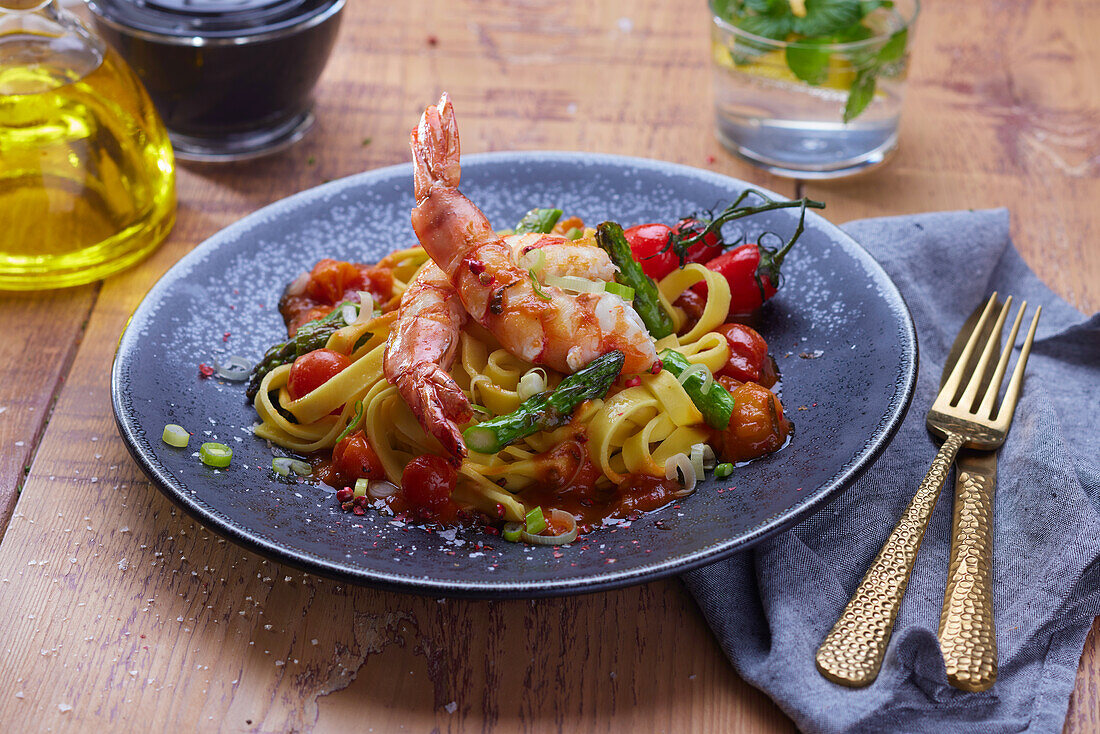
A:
<point x="967" y="635"/>
<point x="853" y="650"/>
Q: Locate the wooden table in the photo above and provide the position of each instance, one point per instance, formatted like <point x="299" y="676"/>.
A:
<point x="116" y="605"/>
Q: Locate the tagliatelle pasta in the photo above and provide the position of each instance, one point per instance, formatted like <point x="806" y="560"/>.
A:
<point x="632" y="430"/>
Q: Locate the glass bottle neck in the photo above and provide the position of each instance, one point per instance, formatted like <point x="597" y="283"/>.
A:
<point x="23" y="5"/>
<point x="43" y="47"/>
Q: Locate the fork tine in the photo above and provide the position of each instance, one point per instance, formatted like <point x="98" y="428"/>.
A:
<point x="951" y="387"/>
<point x="970" y="396"/>
<point x="986" y="409"/>
<point x="1008" y="405"/>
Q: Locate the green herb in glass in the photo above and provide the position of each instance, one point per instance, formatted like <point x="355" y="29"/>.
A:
<point x="812" y="28"/>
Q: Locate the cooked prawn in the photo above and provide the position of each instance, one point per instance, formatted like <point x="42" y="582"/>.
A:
<point x="421" y="348"/>
<point x="543" y="325"/>
<point x="561" y="256"/>
<point x="423" y="342"/>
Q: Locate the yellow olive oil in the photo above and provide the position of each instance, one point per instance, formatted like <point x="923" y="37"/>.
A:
<point x="87" y="179"/>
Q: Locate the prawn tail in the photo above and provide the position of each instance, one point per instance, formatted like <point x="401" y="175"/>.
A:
<point x="435" y="149"/>
<point x="438" y="404"/>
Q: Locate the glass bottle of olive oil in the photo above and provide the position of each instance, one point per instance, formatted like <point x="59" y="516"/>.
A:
<point x="87" y="178"/>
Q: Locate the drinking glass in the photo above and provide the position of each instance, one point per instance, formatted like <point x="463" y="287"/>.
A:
<point x="837" y="115"/>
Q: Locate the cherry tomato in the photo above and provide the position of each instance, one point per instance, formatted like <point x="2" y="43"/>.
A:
<point x="331" y="279"/>
<point x="354" y="458"/>
<point x="693" y="304"/>
<point x="742" y="267"/>
<point x="646" y="242"/>
<point x="748" y="352"/>
<point x="428" y="482"/>
<point x="700" y="252"/>
<point x="314" y="369"/>
<point x="757" y="426"/>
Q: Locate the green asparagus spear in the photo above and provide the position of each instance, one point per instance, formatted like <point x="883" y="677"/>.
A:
<point x="716" y="405"/>
<point x="546" y="410"/>
<point x="610" y="237"/>
<point x="310" y="335"/>
<point x="538" y="220"/>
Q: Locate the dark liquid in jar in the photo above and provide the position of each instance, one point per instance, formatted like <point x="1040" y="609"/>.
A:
<point x="256" y="70"/>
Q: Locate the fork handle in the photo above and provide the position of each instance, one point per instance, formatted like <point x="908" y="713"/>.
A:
<point x="967" y="635"/>
<point x="853" y="650"/>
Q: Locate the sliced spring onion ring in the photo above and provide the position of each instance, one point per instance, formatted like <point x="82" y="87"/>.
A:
<point x="532" y="383"/>
<point x="354" y="421"/>
<point x="366" y="307"/>
<point x="678" y="466"/>
<point x="361" y="485"/>
<point x="540" y="261"/>
<point x="234" y="369"/>
<point x="284" y="465"/>
<point x="575" y="284"/>
<point x="723" y="470"/>
<point x="574" y="234"/>
<point x="702" y="458"/>
<point x="698" y="369"/>
<point x="349" y="312"/>
<point x="535" y="284"/>
<point x="696" y="459"/>
<point x="559" y="516"/>
<point x="535" y="522"/>
<point x="624" y="292"/>
<point x="380" y="489"/>
<point x="217" y="455"/>
<point x="512" y="531"/>
<point x="175" y="436"/>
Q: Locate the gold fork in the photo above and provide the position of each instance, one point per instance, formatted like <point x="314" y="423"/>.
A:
<point x="853" y="650"/>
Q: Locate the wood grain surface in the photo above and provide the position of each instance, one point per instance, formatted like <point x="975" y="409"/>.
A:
<point x="123" y="615"/>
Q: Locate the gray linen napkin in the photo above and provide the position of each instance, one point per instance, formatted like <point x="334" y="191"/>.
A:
<point x="771" y="606"/>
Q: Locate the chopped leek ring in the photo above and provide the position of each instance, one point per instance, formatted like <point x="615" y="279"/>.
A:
<point x="175" y="436"/>
<point x="217" y="455"/>
<point x="535" y="522"/>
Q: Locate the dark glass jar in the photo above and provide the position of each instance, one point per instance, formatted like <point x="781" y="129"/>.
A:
<point x="232" y="79"/>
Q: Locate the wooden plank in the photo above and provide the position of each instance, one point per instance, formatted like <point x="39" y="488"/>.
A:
<point x="138" y="619"/>
<point x="92" y="566"/>
<point x="41" y="333"/>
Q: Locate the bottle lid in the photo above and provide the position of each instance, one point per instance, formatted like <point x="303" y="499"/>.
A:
<point x="210" y="18"/>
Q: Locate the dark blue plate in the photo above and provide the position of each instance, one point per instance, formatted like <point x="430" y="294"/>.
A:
<point x="839" y="330"/>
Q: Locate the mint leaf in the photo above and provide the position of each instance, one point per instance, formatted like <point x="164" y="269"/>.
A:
<point x="869" y="6"/>
<point x="726" y="9"/>
<point x="809" y="61"/>
<point x="768" y="6"/>
<point x="861" y="94"/>
<point x="825" y="17"/>
<point x="776" y="27"/>
<point x="894" y="49"/>
<point x="855" y="32"/>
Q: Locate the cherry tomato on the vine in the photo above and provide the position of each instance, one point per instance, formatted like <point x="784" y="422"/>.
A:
<point x="428" y="482"/>
<point x="700" y="252"/>
<point x="646" y="244"/>
<point x="748" y="352"/>
<point x="314" y="369"/>
<point x="752" y="278"/>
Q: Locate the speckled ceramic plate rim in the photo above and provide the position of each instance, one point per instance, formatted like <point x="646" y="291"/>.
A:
<point x="482" y="587"/>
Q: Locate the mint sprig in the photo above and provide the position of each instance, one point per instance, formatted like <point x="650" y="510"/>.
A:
<point x="809" y="34"/>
